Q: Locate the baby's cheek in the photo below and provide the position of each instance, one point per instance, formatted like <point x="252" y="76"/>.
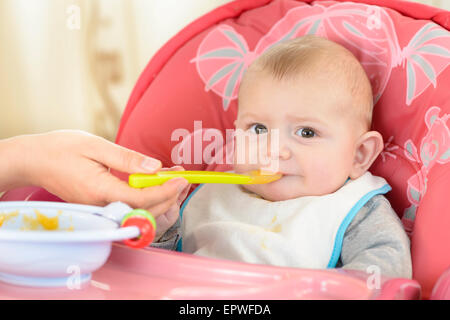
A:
<point x="241" y="168"/>
<point x="241" y="155"/>
<point x="251" y="150"/>
<point x="319" y="174"/>
<point x="316" y="167"/>
<point x="329" y="175"/>
<point x="252" y="188"/>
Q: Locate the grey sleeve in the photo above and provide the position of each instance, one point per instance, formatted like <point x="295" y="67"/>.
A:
<point x="376" y="237"/>
<point x="169" y="239"/>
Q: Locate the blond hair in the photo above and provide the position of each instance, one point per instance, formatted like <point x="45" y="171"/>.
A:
<point x="304" y="55"/>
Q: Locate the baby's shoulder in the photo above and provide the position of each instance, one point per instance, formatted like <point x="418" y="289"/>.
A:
<point x="376" y="211"/>
<point x="377" y="202"/>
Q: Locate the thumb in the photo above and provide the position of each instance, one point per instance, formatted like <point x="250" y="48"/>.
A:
<point x="123" y="159"/>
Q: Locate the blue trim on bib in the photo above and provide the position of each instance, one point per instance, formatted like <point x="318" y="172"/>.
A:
<point x="180" y="243"/>
<point x="336" y="253"/>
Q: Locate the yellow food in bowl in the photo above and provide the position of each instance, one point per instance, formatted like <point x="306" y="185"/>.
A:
<point x="30" y="223"/>
<point x="41" y="220"/>
<point x="5" y="217"/>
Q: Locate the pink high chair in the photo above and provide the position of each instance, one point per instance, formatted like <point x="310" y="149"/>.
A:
<point x="405" y="50"/>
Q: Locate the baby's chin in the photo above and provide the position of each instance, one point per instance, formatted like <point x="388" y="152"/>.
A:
<point x="286" y="188"/>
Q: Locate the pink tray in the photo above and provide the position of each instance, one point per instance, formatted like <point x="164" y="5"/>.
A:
<point x="441" y="289"/>
<point x="159" y="274"/>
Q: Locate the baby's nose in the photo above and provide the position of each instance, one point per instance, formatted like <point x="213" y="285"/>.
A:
<point x="276" y="157"/>
<point x="277" y="146"/>
<point x="285" y="153"/>
<point x="282" y="153"/>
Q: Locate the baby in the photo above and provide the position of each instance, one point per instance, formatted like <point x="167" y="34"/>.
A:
<point x="327" y="210"/>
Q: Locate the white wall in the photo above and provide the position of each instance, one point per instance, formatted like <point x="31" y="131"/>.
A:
<point x="53" y="77"/>
<point x="444" y="4"/>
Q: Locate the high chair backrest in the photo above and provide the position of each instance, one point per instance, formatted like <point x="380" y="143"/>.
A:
<point x="191" y="86"/>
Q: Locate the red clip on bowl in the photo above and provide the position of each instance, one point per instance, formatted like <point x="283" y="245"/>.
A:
<point x="147" y="226"/>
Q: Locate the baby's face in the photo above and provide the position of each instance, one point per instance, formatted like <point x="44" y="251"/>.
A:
<point x="316" y="142"/>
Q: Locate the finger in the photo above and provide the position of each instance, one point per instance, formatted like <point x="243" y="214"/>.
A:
<point x="183" y="195"/>
<point x="121" y="158"/>
<point x="174" y="168"/>
<point x="177" y="168"/>
<point x="118" y="190"/>
<point x="162" y="208"/>
<point x="169" y="217"/>
<point x="166" y="220"/>
<point x="185" y="191"/>
<point x="175" y="185"/>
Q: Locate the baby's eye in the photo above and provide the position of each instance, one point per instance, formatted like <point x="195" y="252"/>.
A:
<point x="305" y="133"/>
<point x="258" y="128"/>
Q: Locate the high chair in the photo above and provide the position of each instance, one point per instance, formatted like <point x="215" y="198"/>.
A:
<point x="405" y="50"/>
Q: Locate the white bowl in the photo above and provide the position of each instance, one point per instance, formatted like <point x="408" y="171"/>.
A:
<point x="61" y="257"/>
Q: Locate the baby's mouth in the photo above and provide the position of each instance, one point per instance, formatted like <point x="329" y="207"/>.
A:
<point x="287" y="175"/>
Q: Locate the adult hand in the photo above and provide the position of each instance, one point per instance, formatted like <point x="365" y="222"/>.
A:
<point x="166" y="220"/>
<point x="74" y="165"/>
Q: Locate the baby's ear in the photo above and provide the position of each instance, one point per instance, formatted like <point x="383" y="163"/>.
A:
<point x="368" y="147"/>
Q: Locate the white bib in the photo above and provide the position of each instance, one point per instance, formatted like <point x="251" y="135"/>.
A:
<point x="224" y="221"/>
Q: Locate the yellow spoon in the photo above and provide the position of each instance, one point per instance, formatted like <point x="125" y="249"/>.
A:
<point x="140" y="180"/>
